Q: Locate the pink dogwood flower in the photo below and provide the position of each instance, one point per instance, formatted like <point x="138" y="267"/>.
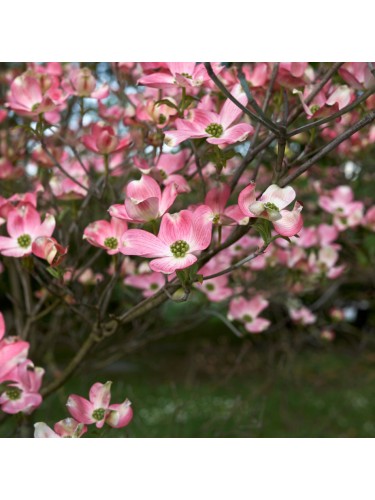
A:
<point x="216" y="128"/>
<point x="217" y="199"/>
<point x="346" y="212"/>
<point x="106" y="235"/>
<point x="180" y="237"/>
<point x="67" y="428"/>
<point x="22" y="395"/>
<point x="81" y="82"/>
<point x="104" y="141"/>
<point x="271" y="206"/>
<point x="182" y="74"/>
<point x="98" y="410"/>
<point x="120" y="415"/>
<point x="150" y="283"/>
<point x="24" y="226"/>
<point x="247" y="312"/>
<point x="49" y="249"/>
<point x="302" y="315"/>
<point x="144" y="201"/>
<point x="28" y="98"/>
<point x="12" y="351"/>
<point x="92" y="411"/>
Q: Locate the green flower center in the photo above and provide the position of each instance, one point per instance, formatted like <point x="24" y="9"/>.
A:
<point x="270" y="206"/>
<point x="154" y="286"/>
<point x="111" y="243"/>
<point x="210" y="287"/>
<point x="214" y="130"/>
<point x="14" y="393"/>
<point x="163" y="174"/>
<point x="216" y="219"/>
<point x="186" y="75"/>
<point x="35" y="106"/>
<point x="162" y="119"/>
<point x="179" y="249"/>
<point x="98" y="414"/>
<point x="24" y="240"/>
<point x="314" y="108"/>
<point x="247" y="318"/>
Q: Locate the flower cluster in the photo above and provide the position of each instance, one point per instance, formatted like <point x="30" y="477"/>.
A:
<point x="96" y="410"/>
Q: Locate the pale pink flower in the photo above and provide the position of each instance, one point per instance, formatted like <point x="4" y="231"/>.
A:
<point x="28" y="98"/>
<point x="216" y="128"/>
<point x="104" y="141"/>
<point x="49" y="249"/>
<point x="271" y="206"/>
<point x="150" y="283"/>
<point x="167" y="167"/>
<point x="67" y="428"/>
<point x="302" y="316"/>
<point x="98" y="410"/>
<point x="182" y="74"/>
<point x="22" y="395"/>
<point x="324" y="262"/>
<point x="106" y="235"/>
<point x="180" y="237"/>
<point x="24" y="226"/>
<point x="357" y="74"/>
<point x="120" y="415"/>
<point x="216" y="289"/>
<point x="339" y="202"/>
<point x="12" y="351"/>
<point x="217" y="199"/>
<point x="92" y="411"/>
<point x="144" y="200"/>
<point x="247" y="312"/>
<point x="81" y="82"/>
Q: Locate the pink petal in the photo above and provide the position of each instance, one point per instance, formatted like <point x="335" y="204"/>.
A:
<point x="120" y="415"/>
<point x="145" y="187"/>
<point x="230" y="111"/>
<point x="258" y="325"/>
<point x="143" y="211"/>
<point x="281" y="197"/>
<point x="48" y="226"/>
<point x="119" y="211"/>
<point x="246" y="198"/>
<point x="101" y="93"/>
<point x="167" y="198"/>
<point x="100" y="395"/>
<point x="202" y="228"/>
<point x="2" y="326"/>
<point x="291" y="222"/>
<point x="139" y="242"/>
<point x="181" y="67"/>
<point x="43" y="431"/>
<point x="23" y="220"/>
<point x="176" y="227"/>
<point x="168" y="265"/>
<point x="157" y="80"/>
<point x="81" y="409"/>
<point x="237" y="133"/>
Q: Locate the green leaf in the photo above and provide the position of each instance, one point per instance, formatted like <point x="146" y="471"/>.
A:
<point x="264" y="227"/>
<point x="56" y="272"/>
<point x="167" y="102"/>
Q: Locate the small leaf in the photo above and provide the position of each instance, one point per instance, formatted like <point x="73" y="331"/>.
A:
<point x="264" y="227"/>
<point x="167" y="102"/>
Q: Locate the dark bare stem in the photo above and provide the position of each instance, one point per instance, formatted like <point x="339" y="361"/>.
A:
<point x="267" y="123"/>
<point x="329" y="147"/>
<point x="332" y="117"/>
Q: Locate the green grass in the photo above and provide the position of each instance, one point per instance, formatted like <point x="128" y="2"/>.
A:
<point x="320" y="395"/>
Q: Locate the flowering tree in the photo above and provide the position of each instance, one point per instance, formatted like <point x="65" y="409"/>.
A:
<point x="128" y="186"/>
